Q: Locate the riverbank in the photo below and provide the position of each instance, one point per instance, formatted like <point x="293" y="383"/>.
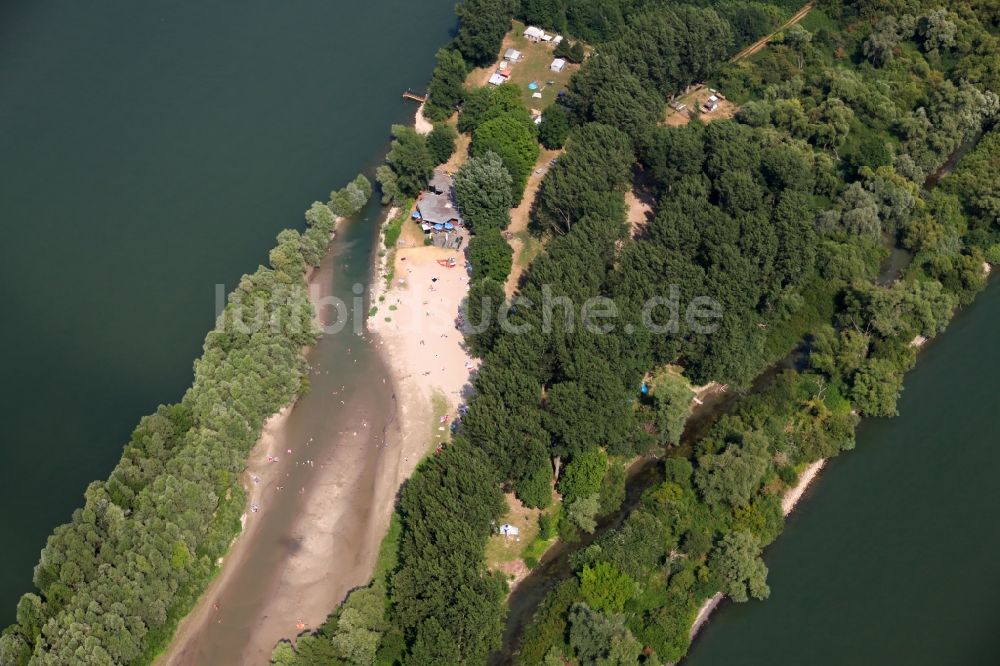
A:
<point x="788" y="503"/>
<point x="319" y="484"/>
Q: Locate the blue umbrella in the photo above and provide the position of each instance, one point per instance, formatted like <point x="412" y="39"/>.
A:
<point x="438" y="227"/>
<point x="449" y="226"/>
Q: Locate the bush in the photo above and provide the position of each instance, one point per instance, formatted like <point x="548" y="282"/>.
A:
<point x="491" y="256"/>
<point x="605" y="588"/>
<point x="441" y="142"/>
<point x="554" y="128"/>
<point x="514" y="138"/>
<point x="394" y="227"/>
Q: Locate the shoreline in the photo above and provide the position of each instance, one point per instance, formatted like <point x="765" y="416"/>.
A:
<point x="336" y="523"/>
<point x="789" y="501"/>
<point x="408" y="433"/>
<point x="794" y="495"/>
<point x="257" y="467"/>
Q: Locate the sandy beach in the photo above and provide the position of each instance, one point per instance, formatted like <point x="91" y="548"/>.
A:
<point x="416" y="326"/>
<point x="302" y="552"/>
<point x="323" y="541"/>
<point x="420" y="122"/>
<point x="788" y="502"/>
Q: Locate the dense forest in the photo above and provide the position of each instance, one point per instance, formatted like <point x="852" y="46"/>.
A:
<point x="784" y="215"/>
<point x="114" y="582"/>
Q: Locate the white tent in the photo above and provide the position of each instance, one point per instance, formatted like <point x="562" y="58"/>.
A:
<point x="533" y="34"/>
<point x="497" y="79"/>
<point x="558" y="65"/>
<point x="509" y="530"/>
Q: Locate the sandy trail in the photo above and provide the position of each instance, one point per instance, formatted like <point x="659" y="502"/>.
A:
<point x="420" y="122"/>
<point x="788" y="502"/>
<point x="761" y="43"/>
<point x="640" y="211"/>
<point x="520" y="217"/>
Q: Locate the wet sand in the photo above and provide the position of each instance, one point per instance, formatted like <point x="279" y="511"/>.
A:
<point x="353" y="438"/>
<point x="323" y="476"/>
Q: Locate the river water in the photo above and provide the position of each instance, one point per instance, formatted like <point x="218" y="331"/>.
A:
<point x="891" y="559"/>
<point x="149" y="151"/>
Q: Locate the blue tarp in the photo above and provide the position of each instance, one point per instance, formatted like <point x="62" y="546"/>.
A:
<point x="416" y="215"/>
<point x="645" y="389"/>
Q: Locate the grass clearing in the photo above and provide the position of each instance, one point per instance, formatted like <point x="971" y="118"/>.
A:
<point x="502" y="549"/>
<point x="534" y="66"/>
<point x="531" y="247"/>
<point x="692" y="107"/>
<point x="440" y="432"/>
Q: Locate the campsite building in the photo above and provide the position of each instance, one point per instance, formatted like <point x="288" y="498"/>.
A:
<point x="440" y="182"/>
<point x="437" y="209"/>
<point x="513" y="55"/>
<point x="509" y="530"/>
<point x="533" y="34"/>
<point x="435" y="206"/>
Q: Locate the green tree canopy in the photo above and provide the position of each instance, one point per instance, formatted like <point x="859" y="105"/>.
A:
<point x="441" y="142"/>
<point x="605" y="588"/>
<point x="447" y="87"/>
<point x="737" y="563"/>
<point x="513" y="138"/>
<point x="484" y="192"/>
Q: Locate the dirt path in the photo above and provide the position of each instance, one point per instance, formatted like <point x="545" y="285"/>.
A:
<point x="761" y="43"/>
<point x="521" y="216"/>
<point x="640" y="210"/>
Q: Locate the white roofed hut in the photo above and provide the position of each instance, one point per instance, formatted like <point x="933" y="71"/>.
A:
<point x="513" y="55"/>
<point x="558" y="65"/>
<point x="534" y="34"/>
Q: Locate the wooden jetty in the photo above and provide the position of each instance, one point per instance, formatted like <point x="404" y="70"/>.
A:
<point x="409" y="94"/>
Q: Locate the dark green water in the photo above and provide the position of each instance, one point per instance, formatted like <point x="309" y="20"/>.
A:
<point x="149" y="151"/>
<point x="891" y="558"/>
